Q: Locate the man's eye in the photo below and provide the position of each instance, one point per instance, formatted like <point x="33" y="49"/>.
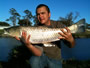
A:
<point x="43" y="13"/>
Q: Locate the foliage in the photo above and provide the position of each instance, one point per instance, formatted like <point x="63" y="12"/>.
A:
<point x="69" y="19"/>
<point x="28" y="14"/>
<point x="28" y="17"/>
<point x="14" y="16"/>
<point x="24" y="22"/>
<point x="35" y="20"/>
<point x="19" y="54"/>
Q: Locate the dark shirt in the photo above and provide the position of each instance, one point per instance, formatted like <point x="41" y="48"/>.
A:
<point x="54" y="52"/>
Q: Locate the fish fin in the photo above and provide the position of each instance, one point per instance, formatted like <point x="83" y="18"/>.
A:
<point x="49" y="44"/>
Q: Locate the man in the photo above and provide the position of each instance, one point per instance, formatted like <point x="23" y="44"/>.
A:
<point x="49" y="56"/>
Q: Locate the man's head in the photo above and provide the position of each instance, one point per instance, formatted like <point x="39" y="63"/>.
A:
<point x="43" y="5"/>
<point x="43" y="14"/>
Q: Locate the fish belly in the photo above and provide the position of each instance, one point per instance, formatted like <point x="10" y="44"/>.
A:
<point x="41" y="36"/>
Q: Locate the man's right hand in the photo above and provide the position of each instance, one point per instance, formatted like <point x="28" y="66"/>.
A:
<point x="25" y="39"/>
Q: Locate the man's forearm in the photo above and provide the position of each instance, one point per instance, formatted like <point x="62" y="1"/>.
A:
<point x="36" y="51"/>
<point x="72" y="44"/>
<point x="69" y="44"/>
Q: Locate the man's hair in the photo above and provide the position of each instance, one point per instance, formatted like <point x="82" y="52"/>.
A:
<point x="43" y="5"/>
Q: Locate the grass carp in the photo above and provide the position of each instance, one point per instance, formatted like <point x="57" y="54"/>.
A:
<point x="42" y="34"/>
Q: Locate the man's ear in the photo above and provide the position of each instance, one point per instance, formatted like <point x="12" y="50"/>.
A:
<point x="49" y="14"/>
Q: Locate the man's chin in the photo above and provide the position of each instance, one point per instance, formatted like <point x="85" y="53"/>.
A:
<point x="42" y="22"/>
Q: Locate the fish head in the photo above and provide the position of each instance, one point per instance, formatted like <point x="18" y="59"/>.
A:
<point x="12" y="31"/>
<point x="6" y="31"/>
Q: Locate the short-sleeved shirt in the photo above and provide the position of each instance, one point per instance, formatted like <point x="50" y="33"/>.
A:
<point x="54" y="51"/>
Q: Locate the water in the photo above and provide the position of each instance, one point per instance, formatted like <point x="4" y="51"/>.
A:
<point x="6" y="45"/>
<point x="81" y="51"/>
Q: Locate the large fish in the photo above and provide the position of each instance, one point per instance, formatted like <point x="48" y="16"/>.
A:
<point x="44" y="34"/>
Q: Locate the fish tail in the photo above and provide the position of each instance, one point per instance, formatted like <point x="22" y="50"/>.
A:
<point x="81" y="25"/>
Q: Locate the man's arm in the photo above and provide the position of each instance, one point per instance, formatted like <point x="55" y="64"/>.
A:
<point x="25" y="39"/>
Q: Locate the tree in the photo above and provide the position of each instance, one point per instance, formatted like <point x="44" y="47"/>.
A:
<point x="23" y="22"/>
<point x="69" y="19"/>
<point x="35" y="20"/>
<point x="14" y="16"/>
<point x="28" y="17"/>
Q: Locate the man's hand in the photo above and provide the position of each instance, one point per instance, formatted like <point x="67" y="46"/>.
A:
<point x="66" y="35"/>
<point x="24" y="38"/>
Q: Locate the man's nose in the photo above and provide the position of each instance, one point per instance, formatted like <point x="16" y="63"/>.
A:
<point x="41" y="15"/>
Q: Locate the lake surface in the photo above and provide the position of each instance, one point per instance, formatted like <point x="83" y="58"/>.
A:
<point x="81" y="51"/>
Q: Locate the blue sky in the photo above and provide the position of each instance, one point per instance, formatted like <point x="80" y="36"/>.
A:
<point x="58" y="8"/>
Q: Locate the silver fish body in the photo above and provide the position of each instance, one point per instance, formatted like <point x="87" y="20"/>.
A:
<point x="43" y="34"/>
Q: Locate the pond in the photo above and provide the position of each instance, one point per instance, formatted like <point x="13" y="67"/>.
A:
<point x="81" y="51"/>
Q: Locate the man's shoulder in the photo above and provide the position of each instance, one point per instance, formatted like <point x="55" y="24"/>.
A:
<point x="57" y="24"/>
<point x="53" y="21"/>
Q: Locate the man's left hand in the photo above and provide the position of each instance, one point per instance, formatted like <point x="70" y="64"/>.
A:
<point x="67" y="35"/>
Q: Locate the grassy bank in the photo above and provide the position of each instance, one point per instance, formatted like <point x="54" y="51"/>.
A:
<point x="82" y="35"/>
<point x="1" y="31"/>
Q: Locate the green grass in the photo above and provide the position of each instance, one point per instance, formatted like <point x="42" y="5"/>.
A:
<point x="82" y="35"/>
<point x="1" y="31"/>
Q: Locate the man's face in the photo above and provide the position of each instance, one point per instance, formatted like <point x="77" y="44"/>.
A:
<point x="42" y="15"/>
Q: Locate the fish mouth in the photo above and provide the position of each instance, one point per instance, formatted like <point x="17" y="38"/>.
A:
<point x="5" y="35"/>
<point x="5" y="31"/>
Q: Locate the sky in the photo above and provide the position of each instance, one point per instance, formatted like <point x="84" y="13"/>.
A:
<point x="58" y="8"/>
